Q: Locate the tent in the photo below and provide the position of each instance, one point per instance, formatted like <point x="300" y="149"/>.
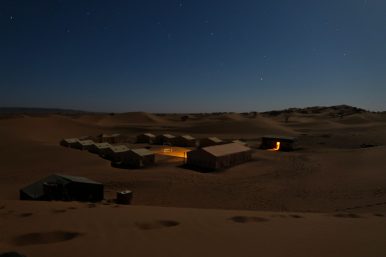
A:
<point x="69" y="142"/>
<point x="185" y="140"/>
<point x="209" y="141"/>
<point x="114" y="153"/>
<point x="112" y="139"/>
<point x="164" y="139"/>
<point x="98" y="147"/>
<point x="219" y="156"/>
<point x="280" y="143"/>
<point x="83" y="144"/>
<point x="146" y="138"/>
<point x="138" y="158"/>
<point x="63" y="188"/>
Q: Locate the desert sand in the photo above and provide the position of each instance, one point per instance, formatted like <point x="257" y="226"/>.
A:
<point x="328" y="198"/>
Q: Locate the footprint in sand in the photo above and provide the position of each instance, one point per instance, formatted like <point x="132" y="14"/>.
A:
<point x="44" y="238"/>
<point x="295" y="216"/>
<point x="25" y="214"/>
<point x="279" y="216"/>
<point x="59" y="210"/>
<point x="347" y="215"/>
<point x="11" y="254"/>
<point x="246" y="219"/>
<point x="156" y="224"/>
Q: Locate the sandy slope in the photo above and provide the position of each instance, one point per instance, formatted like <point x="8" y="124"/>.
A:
<point x="73" y="229"/>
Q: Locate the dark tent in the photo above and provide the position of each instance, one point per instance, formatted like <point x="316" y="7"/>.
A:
<point x="63" y="188"/>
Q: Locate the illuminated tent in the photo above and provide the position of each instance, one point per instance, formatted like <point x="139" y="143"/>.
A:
<point x="146" y="138"/>
<point x="63" y="188"/>
<point x="138" y="158"/>
<point x="278" y="143"/>
<point x="209" y="141"/>
<point x="219" y="156"/>
<point x="185" y="140"/>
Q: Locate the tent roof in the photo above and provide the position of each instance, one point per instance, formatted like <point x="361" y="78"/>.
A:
<point x="225" y="149"/>
<point x="77" y="179"/>
<point x="35" y="190"/>
<point x="142" y="151"/>
<point x="119" y="148"/>
<point x="239" y="142"/>
<point x="167" y="135"/>
<point x="86" y="142"/>
<point x="187" y="137"/>
<point x="71" y="140"/>
<point x="148" y="134"/>
<point x="215" y="139"/>
<point x="102" y="145"/>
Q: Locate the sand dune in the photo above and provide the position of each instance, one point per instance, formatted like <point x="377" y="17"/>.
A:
<point x="338" y="174"/>
<point x="105" y="230"/>
<point x="121" y="119"/>
<point x="49" y="128"/>
<point x="244" y="127"/>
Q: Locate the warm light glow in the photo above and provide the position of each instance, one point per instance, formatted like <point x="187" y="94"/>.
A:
<point x="277" y="148"/>
<point x="174" y="151"/>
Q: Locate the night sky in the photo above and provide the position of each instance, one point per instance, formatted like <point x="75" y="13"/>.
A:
<point x="192" y="55"/>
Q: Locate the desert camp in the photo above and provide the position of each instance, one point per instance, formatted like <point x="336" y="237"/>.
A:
<point x="226" y="176"/>
<point x="193" y="128"/>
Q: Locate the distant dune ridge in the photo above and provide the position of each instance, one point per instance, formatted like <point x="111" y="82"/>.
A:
<point x="329" y="192"/>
